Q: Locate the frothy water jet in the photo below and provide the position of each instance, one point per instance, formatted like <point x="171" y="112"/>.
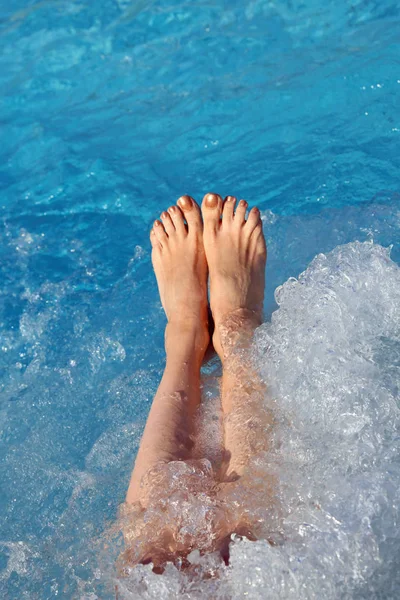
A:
<point x="335" y="451"/>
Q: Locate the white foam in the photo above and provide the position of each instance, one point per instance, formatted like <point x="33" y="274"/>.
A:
<point x="330" y="359"/>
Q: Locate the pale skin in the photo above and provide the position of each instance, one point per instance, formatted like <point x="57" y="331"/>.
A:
<point x="220" y="243"/>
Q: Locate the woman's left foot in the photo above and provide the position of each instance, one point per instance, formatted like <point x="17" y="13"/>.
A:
<point x="180" y="266"/>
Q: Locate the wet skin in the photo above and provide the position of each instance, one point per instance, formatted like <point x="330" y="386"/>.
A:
<point x="188" y="245"/>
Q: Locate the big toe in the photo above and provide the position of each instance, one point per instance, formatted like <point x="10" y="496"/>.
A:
<point x="211" y="209"/>
<point x="191" y="211"/>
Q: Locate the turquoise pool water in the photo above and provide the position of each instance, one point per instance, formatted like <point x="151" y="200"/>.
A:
<point x="111" y="110"/>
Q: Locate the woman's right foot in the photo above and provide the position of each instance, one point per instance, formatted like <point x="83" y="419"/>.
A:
<point x="236" y="255"/>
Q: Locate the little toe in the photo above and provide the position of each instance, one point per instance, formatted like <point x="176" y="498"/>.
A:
<point x="178" y="220"/>
<point x="228" y="209"/>
<point x="160" y="233"/>
<point x="240" y="212"/>
<point x="252" y="220"/>
<point x="191" y="212"/>
<point x="153" y="239"/>
<point x="168" y="224"/>
<point x="211" y="209"/>
<point x="257" y="240"/>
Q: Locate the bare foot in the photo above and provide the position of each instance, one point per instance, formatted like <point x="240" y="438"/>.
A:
<point x="236" y="255"/>
<point x="180" y="266"/>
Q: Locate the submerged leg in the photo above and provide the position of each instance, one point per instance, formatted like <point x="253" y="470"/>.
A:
<point x="181" y="270"/>
<point x="246" y="420"/>
<point x="236" y="255"/>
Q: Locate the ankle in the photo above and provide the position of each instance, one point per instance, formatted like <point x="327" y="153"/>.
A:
<point x="187" y="339"/>
<point x="234" y="332"/>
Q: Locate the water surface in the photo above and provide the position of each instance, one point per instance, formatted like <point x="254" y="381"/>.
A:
<point x="110" y="111"/>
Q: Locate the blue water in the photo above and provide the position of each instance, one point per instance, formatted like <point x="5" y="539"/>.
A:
<point x="110" y="111"/>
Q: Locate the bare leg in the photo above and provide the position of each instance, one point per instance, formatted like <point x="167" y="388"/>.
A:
<point x="236" y="255"/>
<point x="181" y="270"/>
<point x="246" y="420"/>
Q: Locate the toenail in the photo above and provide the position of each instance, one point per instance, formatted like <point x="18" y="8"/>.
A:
<point x="172" y="209"/>
<point x="185" y="202"/>
<point x="157" y="223"/>
<point x="164" y="215"/>
<point x="243" y="203"/>
<point x="230" y="198"/>
<point x="211" y="200"/>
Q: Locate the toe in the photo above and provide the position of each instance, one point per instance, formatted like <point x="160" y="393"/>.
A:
<point x="240" y="213"/>
<point x="178" y="220"/>
<point x="253" y="219"/>
<point x="229" y="207"/>
<point x="153" y="240"/>
<point x="168" y="224"/>
<point x="191" y="212"/>
<point x="160" y="233"/>
<point x="257" y="240"/>
<point x="211" y="209"/>
<point x="261" y="247"/>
